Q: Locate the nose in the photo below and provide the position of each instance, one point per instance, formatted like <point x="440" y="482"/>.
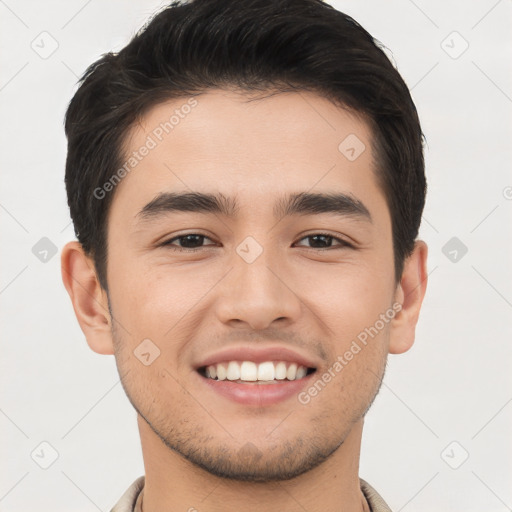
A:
<point x="255" y="295"/>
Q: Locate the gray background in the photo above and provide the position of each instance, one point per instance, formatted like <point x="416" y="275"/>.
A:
<point x="447" y="399"/>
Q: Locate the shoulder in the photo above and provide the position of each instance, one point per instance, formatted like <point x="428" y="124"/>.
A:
<point x="377" y="504"/>
<point x="129" y="499"/>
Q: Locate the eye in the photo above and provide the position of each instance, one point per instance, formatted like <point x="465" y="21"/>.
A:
<point x="188" y="242"/>
<point x="325" y="241"/>
<point x="195" y="241"/>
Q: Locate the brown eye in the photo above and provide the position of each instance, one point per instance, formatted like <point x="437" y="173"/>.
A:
<point x="192" y="241"/>
<point x="324" y="241"/>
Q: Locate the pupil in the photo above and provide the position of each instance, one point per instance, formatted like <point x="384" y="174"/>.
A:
<point x="192" y="239"/>
<point x="324" y="244"/>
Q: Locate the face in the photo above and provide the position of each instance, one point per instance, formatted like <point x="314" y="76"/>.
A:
<point x="216" y="287"/>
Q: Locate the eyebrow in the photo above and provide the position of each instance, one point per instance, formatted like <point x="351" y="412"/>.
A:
<point x="303" y="203"/>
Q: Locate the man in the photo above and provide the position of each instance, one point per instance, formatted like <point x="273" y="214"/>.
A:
<point x="246" y="182"/>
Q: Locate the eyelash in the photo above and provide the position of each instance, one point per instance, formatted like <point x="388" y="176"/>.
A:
<point x="342" y="244"/>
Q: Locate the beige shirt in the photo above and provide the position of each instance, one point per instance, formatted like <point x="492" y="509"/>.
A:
<point x="131" y="500"/>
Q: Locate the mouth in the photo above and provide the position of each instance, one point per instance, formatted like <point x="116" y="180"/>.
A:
<point x="250" y="372"/>
<point x="255" y="384"/>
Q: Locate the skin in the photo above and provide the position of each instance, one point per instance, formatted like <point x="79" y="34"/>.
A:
<point x="296" y="294"/>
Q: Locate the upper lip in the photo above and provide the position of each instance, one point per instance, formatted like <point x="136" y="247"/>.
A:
<point x="258" y="355"/>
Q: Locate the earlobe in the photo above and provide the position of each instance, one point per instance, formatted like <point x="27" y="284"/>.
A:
<point x="410" y="293"/>
<point x="89" y="300"/>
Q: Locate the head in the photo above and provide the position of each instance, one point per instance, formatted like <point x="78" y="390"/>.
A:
<point x="254" y="127"/>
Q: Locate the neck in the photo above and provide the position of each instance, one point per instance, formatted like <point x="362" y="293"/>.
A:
<point x="173" y="483"/>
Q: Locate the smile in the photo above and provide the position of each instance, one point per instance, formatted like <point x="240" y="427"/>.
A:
<point x="256" y="384"/>
<point x="267" y="372"/>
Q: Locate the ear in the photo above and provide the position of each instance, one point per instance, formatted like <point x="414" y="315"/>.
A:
<point x="409" y="293"/>
<point x="90" y="301"/>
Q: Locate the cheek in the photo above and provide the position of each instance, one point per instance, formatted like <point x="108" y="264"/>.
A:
<point x="350" y="305"/>
<point x="347" y="297"/>
<point x="152" y="297"/>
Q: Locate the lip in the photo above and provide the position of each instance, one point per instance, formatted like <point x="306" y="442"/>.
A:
<point x="258" y="355"/>
<point x="255" y="394"/>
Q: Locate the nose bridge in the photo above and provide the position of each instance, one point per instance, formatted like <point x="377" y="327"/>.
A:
<point x="254" y="292"/>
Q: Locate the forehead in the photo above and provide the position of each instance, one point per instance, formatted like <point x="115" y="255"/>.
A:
<point x="229" y="142"/>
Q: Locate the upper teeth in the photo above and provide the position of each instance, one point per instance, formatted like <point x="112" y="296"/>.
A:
<point x="249" y="371"/>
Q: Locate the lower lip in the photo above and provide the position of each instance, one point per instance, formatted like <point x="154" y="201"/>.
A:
<point x="258" y="394"/>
